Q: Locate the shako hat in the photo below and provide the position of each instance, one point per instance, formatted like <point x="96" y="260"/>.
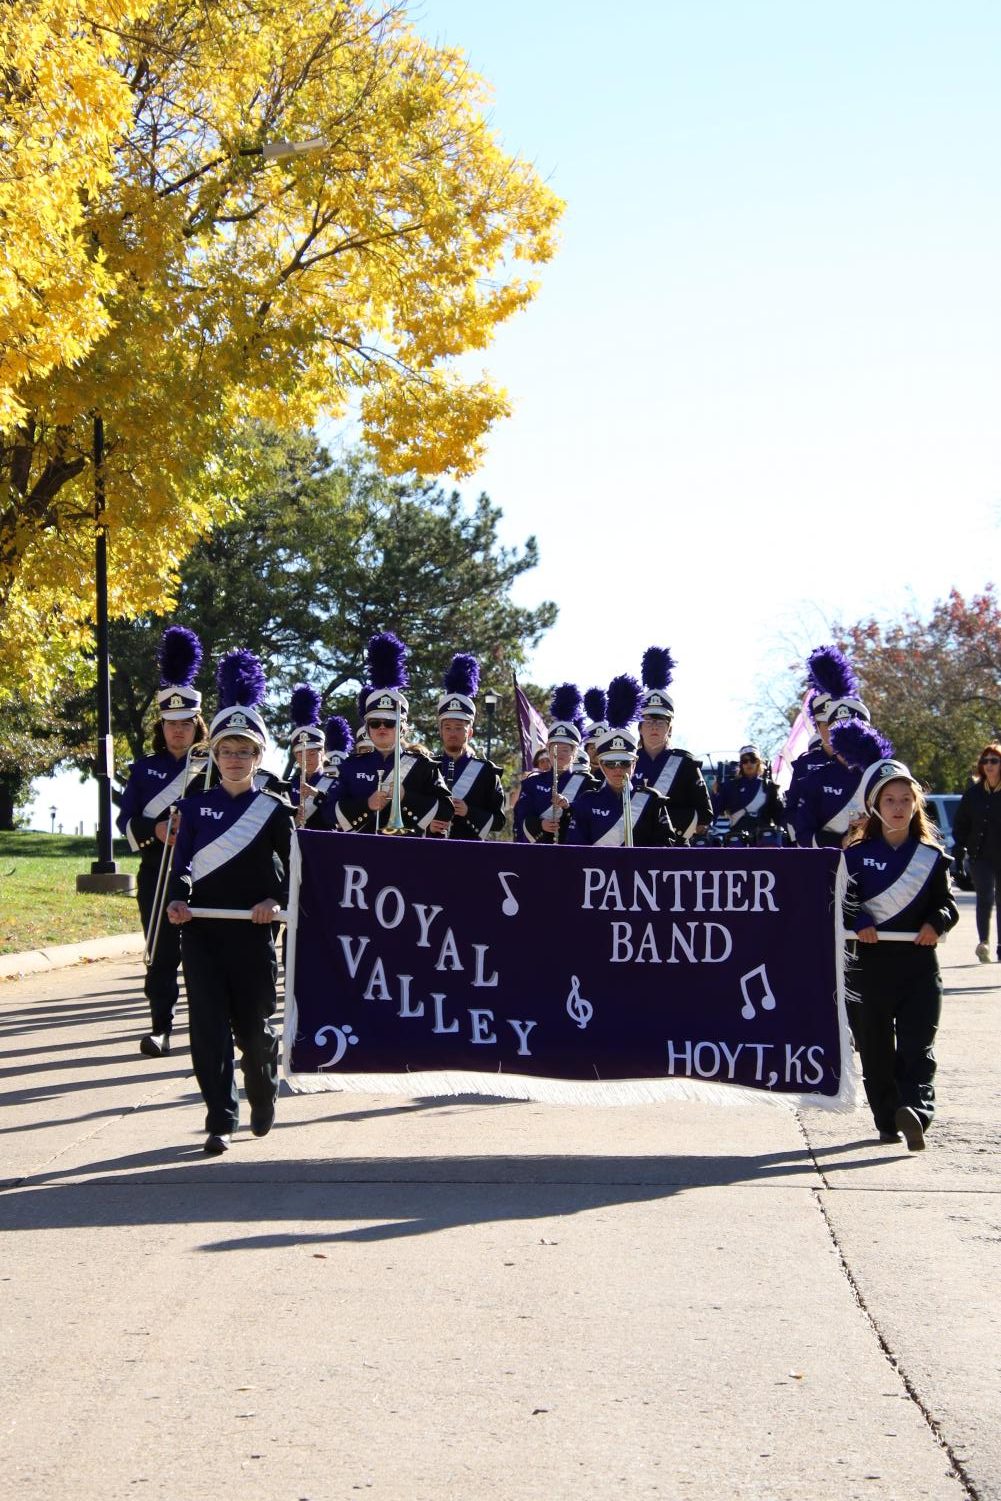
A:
<point x="338" y="740"/>
<point x="305" y="713"/>
<point x="179" y="657"/>
<point x="750" y="750"/>
<point x="460" y="683"/>
<point x="619" y="738"/>
<point x="657" y="670"/>
<point x="567" y="725"/>
<point x="387" y="675"/>
<point x="240" y="680"/>
<point x="596" y="709"/>
<point x="830" y="676"/>
<point x="869" y="752"/>
<point x="840" y="709"/>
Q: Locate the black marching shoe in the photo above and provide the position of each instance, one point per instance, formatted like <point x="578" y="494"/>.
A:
<point x="156" y="1045"/>
<point x="909" y="1122"/>
<point x="261" y="1121"/>
<point x="888" y="1136"/>
<point x="216" y="1144"/>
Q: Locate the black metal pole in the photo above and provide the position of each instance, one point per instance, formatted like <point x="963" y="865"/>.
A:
<point x="490" y="727"/>
<point x="104" y="865"/>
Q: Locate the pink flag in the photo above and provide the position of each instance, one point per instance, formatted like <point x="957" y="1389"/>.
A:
<point x="798" y="739"/>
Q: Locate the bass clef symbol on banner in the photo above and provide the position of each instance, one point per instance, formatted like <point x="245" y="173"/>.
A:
<point x="578" y="1009"/>
<point x="344" y="1035"/>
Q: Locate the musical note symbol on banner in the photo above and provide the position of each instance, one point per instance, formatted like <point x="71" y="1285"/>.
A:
<point x="578" y="1009"/>
<point x="766" y="998"/>
<point x="345" y="1035"/>
<point x="509" y="906"/>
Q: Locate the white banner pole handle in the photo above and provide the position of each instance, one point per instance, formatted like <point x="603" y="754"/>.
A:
<point x="234" y="914"/>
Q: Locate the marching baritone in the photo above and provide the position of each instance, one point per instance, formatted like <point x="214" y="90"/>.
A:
<point x="615" y="814"/>
<point x="232" y="852"/>
<point x="156" y="783"/>
<point x="474" y="784"/>
<point x="675" y="774"/>
<point x="395" y="787"/>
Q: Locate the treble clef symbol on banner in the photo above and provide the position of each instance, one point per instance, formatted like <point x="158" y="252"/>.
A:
<point x="578" y="1009"/>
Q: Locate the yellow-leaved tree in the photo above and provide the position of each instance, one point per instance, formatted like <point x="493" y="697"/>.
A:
<point x="173" y="268"/>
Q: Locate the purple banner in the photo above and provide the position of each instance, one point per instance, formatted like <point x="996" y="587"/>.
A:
<point x="507" y="967"/>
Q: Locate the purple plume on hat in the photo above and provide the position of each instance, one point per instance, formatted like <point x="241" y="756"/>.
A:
<point x="337" y="735"/>
<point x="624" y="698"/>
<point x="595" y="704"/>
<point x="831" y="673"/>
<point x="179" y="656"/>
<point x="305" y="706"/>
<point x="240" y="680"/>
<point x="463" y="675"/>
<point x="860" y="744"/>
<point x="386" y="656"/>
<point x="565" y="703"/>
<point x="657" y="667"/>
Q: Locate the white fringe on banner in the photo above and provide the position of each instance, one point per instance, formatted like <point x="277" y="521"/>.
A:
<point x="551" y="1091"/>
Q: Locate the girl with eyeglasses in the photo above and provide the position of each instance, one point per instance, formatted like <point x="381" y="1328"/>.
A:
<point x="977" y="833"/>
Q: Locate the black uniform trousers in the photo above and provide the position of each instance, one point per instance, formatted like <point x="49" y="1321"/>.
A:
<point x="894" y="1022"/>
<point x="160" y="986"/>
<point x="231" y="974"/>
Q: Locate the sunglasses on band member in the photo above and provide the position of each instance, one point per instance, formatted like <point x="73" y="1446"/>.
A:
<point x="617" y="765"/>
<point x="748" y="760"/>
<point x="990" y="760"/>
<point x="381" y="724"/>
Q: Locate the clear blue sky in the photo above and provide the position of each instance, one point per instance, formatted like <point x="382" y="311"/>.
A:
<point x="759" y="390"/>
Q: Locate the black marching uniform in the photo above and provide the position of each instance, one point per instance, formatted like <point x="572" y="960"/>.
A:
<point x="898" y="985"/>
<point x="423" y="795"/>
<point x="156" y="783"/>
<point x="596" y="818"/>
<point x="677" y="775"/>
<point x="232" y="852"/>
<point x="478" y="784"/>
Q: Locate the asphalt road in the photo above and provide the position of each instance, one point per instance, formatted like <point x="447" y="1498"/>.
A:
<point x="432" y="1299"/>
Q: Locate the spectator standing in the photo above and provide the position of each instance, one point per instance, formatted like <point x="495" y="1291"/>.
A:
<point x="977" y="833"/>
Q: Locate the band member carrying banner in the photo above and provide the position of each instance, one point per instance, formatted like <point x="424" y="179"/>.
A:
<point x="156" y="784"/>
<point x="675" y="774"/>
<point x="232" y="856"/>
<point x="474" y="784"/>
<point x="395" y="788"/>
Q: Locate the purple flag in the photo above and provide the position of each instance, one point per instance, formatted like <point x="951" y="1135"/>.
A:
<point x="531" y="729"/>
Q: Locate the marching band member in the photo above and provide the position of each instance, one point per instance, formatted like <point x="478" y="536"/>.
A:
<point x="156" y="783"/>
<point x="541" y="812"/>
<point x="338" y="743"/>
<point x="599" y="815"/>
<point x="830" y="676"/>
<point x="675" y="774"/>
<point x="830" y="803"/>
<point x="899" y="904"/>
<point x="365" y="797"/>
<point x="474" y="784"/>
<point x="751" y="800"/>
<point x="306" y="745"/>
<point x="596" y="709"/>
<point x="233" y="852"/>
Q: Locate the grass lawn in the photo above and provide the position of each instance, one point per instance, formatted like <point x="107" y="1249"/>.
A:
<point x="39" y="902"/>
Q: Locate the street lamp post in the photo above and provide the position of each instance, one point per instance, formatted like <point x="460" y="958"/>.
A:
<point x="490" y="704"/>
<point x="104" y="873"/>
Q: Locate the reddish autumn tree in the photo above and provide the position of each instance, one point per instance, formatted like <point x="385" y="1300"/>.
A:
<point x="933" y="686"/>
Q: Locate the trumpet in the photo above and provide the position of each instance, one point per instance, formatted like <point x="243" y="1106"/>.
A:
<point x="394" y="823"/>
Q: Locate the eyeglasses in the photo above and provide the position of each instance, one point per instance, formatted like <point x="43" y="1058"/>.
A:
<point x="381" y="724"/>
<point x="236" y="755"/>
<point x="990" y="760"/>
<point x="748" y="760"/>
<point x="617" y="765"/>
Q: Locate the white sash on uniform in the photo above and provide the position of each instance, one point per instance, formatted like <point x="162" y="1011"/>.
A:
<point x="467" y="777"/>
<point x="905" y="888"/>
<point x="754" y="806"/>
<point x="668" y="772"/>
<point x="236" y="838"/>
<point x="614" y="836"/>
<point x="161" y="801"/>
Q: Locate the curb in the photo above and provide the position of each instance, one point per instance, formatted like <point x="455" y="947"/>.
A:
<point x="37" y="961"/>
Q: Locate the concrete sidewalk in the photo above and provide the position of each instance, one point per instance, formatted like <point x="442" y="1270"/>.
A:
<point x="431" y="1299"/>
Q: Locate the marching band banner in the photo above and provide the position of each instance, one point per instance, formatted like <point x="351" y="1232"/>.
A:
<point x="565" y="974"/>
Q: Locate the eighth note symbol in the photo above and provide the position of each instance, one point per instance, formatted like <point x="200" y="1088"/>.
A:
<point x="580" y="1010"/>
<point x="766" y="999"/>
<point x="509" y="906"/>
